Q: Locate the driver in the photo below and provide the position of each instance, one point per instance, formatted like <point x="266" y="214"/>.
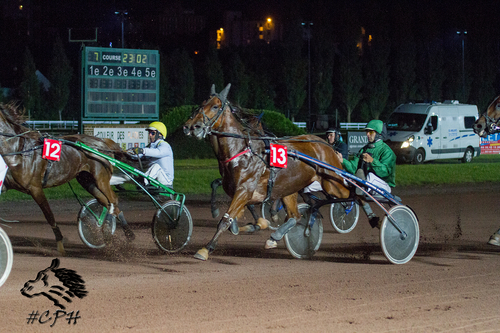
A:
<point x="159" y="155"/>
<point x="376" y="163"/>
<point x="334" y="138"/>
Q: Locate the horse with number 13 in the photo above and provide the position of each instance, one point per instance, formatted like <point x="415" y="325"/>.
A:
<point x="245" y="170"/>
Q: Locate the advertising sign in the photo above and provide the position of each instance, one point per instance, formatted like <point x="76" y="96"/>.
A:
<point x="355" y="141"/>
<point x="491" y="144"/>
<point x="126" y="137"/>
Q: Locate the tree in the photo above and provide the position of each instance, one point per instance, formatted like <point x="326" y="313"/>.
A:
<point x="213" y="69"/>
<point x="350" y="77"/>
<point x="181" y="78"/>
<point x="294" y="67"/>
<point x="403" y="56"/>
<point x="324" y="60"/>
<point x="239" y="79"/>
<point x="376" y="61"/>
<point x="60" y="74"/>
<point x="30" y="86"/>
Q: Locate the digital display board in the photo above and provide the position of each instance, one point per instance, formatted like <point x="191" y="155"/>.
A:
<point x="120" y="83"/>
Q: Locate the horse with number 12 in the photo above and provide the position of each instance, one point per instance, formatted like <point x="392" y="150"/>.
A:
<point x="242" y="154"/>
<point x="29" y="172"/>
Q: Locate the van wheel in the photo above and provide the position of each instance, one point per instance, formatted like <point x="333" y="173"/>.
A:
<point x="468" y="155"/>
<point x="419" y="157"/>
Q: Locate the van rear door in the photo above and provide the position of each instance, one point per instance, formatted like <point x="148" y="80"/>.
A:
<point x="450" y="146"/>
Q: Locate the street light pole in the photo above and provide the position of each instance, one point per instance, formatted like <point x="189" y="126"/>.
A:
<point x="308" y="25"/>
<point x="462" y="33"/>
<point x="122" y="14"/>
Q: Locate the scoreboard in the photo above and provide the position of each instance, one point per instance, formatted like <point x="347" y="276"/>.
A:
<point x="120" y="83"/>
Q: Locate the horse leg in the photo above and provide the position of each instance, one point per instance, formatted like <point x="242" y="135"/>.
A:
<point x="214" y="185"/>
<point x="290" y="203"/>
<point x="260" y="222"/>
<point x="41" y="200"/>
<point x="236" y="210"/>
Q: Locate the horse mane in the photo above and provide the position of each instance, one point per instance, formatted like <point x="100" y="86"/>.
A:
<point x="15" y="117"/>
<point x="249" y="121"/>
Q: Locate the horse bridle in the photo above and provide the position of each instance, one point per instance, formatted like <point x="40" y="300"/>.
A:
<point x="208" y="123"/>
<point x="491" y="125"/>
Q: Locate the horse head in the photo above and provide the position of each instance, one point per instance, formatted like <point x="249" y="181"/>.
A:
<point x="204" y="118"/>
<point x="488" y="123"/>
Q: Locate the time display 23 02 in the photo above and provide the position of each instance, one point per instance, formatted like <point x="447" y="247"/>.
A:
<point x="121" y="83"/>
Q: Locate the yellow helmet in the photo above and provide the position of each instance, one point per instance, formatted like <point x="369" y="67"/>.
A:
<point x="158" y="126"/>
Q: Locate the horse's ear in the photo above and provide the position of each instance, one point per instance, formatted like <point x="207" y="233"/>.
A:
<point x="223" y="94"/>
<point x="55" y="263"/>
<point x="212" y="91"/>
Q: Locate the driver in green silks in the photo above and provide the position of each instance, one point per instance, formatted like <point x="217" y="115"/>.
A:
<point x="375" y="163"/>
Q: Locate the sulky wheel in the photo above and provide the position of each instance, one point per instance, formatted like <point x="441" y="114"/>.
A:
<point x="93" y="229"/>
<point x="172" y="227"/>
<point x="280" y="217"/>
<point x="299" y="244"/>
<point x="6" y="256"/>
<point x="399" y="247"/>
<point x="344" y="216"/>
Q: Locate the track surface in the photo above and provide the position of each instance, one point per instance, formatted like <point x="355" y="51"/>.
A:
<point x="451" y="285"/>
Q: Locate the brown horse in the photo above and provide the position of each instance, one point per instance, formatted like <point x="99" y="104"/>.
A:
<point x="489" y="122"/>
<point x="30" y="173"/>
<point x="245" y="171"/>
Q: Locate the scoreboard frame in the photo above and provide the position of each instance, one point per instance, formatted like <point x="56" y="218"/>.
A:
<point x="120" y="84"/>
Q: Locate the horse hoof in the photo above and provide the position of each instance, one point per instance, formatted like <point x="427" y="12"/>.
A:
<point x="202" y="254"/>
<point x="215" y="213"/>
<point x="249" y="228"/>
<point x="60" y="248"/>
<point x="263" y="223"/>
<point x="235" y="230"/>
<point x="271" y="244"/>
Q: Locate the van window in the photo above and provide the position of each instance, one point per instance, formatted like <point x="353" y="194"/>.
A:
<point x="399" y="121"/>
<point x="434" y="122"/>
<point x="469" y="122"/>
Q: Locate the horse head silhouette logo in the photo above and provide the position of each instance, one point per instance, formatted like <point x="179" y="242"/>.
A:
<point x="57" y="284"/>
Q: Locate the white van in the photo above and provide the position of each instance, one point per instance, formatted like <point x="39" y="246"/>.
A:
<point x="419" y="132"/>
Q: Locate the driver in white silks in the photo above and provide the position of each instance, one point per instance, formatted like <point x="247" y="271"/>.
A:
<point x="158" y="154"/>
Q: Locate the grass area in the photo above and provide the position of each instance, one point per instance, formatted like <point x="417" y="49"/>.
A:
<point x="193" y="176"/>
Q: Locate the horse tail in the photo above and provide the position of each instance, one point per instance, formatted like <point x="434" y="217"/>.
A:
<point x="116" y="150"/>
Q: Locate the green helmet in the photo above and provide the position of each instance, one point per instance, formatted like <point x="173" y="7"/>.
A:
<point x="376" y="125"/>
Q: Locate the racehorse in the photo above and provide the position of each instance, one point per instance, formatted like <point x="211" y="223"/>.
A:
<point x="29" y="173"/>
<point x="243" y="161"/>
<point x="489" y="122"/>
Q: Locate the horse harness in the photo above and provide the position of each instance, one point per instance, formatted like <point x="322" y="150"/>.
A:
<point x="492" y="125"/>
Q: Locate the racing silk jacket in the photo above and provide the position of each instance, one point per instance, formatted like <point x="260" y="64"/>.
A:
<point x="160" y="152"/>
<point x="341" y="147"/>
<point x="383" y="165"/>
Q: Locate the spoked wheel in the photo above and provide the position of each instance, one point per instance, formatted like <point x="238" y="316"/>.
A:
<point x="344" y="216"/>
<point x="6" y="256"/>
<point x="172" y="227"/>
<point x="93" y="229"/>
<point x="279" y="218"/>
<point x="400" y="247"/>
<point x="298" y="243"/>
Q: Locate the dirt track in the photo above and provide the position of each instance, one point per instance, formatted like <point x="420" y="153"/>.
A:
<point x="451" y="285"/>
